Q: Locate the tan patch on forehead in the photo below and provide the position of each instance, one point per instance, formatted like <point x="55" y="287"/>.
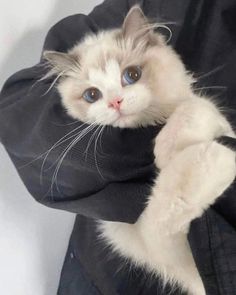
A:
<point x="104" y="58"/>
<point x="101" y="62"/>
<point x="119" y="49"/>
<point x="124" y="50"/>
<point x="128" y="54"/>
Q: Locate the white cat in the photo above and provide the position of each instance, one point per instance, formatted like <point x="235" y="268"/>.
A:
<point x="130" y="77"/>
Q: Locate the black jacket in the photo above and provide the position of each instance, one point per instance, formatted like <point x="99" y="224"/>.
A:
<point x="32" y="120"/>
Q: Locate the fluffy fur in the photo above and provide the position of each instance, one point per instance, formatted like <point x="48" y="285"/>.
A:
<point x="194" y="169"/>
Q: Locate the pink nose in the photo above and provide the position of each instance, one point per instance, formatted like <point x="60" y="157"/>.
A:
<point x="115" y="103"/>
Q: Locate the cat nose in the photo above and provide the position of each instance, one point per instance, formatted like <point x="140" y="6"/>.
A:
<point x="116" y="103"/>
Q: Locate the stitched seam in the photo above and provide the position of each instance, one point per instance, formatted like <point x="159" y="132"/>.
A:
<point x="211" y="251"/>
<point x="224" y="250"/>
<point x="86" y="275"/>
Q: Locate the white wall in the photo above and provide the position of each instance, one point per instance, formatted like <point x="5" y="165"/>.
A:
<point x="33" y="238"/>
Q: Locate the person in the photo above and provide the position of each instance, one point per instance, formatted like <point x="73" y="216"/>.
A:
<point x="32" y="121"/>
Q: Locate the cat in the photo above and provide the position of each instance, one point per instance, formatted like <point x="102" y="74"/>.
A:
<point x="127" y="78"/>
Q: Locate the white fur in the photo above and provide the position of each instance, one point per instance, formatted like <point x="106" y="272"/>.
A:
<point x="195" y="170"/>
<point x="163" y="84"/>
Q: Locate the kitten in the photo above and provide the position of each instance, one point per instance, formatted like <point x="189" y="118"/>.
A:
<point x="129" y="77"/>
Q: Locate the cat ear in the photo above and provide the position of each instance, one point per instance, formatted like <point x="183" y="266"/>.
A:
<point x="61" y="63"/>
<point x="134" y="21"/>
<point x="137" y="27"/>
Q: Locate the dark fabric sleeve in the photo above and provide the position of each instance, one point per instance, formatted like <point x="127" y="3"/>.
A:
<point x="207" y="45"/>
<point x="32" y="120"/>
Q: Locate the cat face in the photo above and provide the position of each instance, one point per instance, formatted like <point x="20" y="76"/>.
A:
<point x="126" y="77"/>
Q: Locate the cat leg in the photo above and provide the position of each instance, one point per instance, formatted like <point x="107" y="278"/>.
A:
<point x="166" y="256"/>
<point x="185" y="187"/>
<point x="193" y="175"/>
<point x="194" y="121"/>
<point x="190" y="183"/>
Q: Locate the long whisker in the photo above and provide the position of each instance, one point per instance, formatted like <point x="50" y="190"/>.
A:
<point x="65" y="152"/>
<point x="217" y="69"/>
<point x="100" y="141"/>
<point x="95" y="151"/>
<point x="34" y="84"/>
<point x="44" y="161"/>
<point x="58" y="143"/>
<point x="54" y="82"/>
<point x="79" y="135"/>
<point x="90" y="142"/>
<point x="211" y="87"/>
<point x="68" y="124"/>
<point x="60" y="159"/>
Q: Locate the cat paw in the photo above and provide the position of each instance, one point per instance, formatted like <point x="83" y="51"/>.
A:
<point x="219" y="168"/>
<point x="191" y="182"/>
<point x="173" y="138"/>
<point x="186" y="127"/>
<point x="165" y="146"/>
<point x="204" y="170"/>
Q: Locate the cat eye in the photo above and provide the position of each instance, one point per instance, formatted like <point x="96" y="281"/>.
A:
<point x="131" y="75"/>
<point x="92" y="94"/>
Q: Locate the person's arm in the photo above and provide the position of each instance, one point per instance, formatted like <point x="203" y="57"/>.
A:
<point x="32" y="120"/>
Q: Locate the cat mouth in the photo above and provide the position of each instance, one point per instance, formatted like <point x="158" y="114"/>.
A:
<point x="123" y="117"/>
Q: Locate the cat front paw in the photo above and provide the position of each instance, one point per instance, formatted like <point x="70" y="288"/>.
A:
<point x="203" y="171"/>
<point x="171" y="140"/>
<point x="190" y="183"/>
<point x="193" y="122"/>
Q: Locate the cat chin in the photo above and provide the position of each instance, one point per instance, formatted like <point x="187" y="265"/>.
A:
<point x="122" y="121"/>
<point x="131" y="122"/>
<point x="127" y="121"/>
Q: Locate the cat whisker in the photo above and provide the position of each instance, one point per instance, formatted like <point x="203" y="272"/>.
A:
<point x="34" y="84"/>
<point x="43" y="65"/>
<point x="45" y="159"/>
<point x="95" y="151"/>
<point x="154" y="26"/>
<point x="58" y="143"/>
<point x="68" y="124"/>
<point x="211" y="87"/>
<point x="90" y="142"/>
<point x="100" y="141"/>
<point x="62" y="156"/>
<point x="217" y="69"/>
<point x="54" y="82"/>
